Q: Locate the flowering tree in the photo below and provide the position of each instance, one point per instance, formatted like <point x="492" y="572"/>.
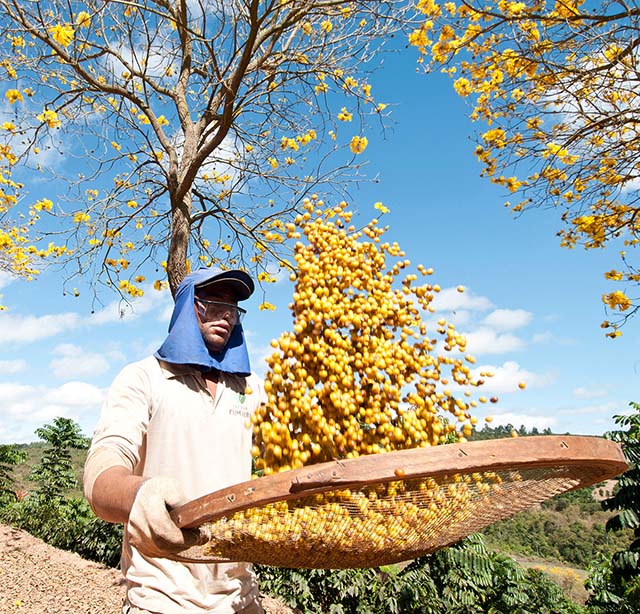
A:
<point x="556" y="84"/>
<point x="178" y="132"/>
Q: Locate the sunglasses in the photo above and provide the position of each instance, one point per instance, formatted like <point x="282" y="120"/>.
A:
<point x="213" y="310"/>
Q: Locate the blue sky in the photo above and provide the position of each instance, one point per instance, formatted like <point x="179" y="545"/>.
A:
<point x="531" y="310"/>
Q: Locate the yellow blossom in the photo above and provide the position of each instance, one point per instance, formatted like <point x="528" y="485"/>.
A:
<point x="462" y="87"/>
<point x="44" y="204"/>
<point x="326" y="25"/>
<point x="266" y="306"/>
<point x="83" y="19"/>
<point x="80" y="217"/>
<point x="350" y="82"/>
<point x="50" y="118"/>
<point x="380" y="207"/>
<point x="613" y="275"/>
<point x="273" y="162"/>
<point x="617" y="300"/>
<point x="344" y="115"/>
<point x="14" y="96"/>
<point x="358" y="144"/>
<point x="264" y="276"/>
<point x="62" y="34"/>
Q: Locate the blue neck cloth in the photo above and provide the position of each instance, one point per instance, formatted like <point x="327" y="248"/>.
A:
<point x="184" y="344"/>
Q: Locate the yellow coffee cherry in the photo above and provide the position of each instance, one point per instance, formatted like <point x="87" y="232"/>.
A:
<point x="357" y="373"/>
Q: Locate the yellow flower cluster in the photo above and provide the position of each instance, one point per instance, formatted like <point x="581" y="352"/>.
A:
<point x="357" y="374"/>
<point x="131" y="289"/>
<point x="13" y="95"/>
<point x="50" y="118"/>
<point x="617" y="300"/>
<point x="62" y="34"/>
<point x="83" y="19"/>
<point x="358" y="144"/>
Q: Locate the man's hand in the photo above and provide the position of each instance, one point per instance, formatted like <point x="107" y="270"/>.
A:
<point x="150" y="528"/>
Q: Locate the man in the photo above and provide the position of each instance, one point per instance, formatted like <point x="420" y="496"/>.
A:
<point x="174" y="427"/>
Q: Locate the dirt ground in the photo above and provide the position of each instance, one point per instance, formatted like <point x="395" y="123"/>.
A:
<point x="36" y="578"/>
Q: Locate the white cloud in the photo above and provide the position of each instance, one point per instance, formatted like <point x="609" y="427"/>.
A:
<point x="74" y="394"/>
<point x="152" y="301"/>
<point x="508" y="319"/>
<point x="609" y="408"/>
<point x="26" y="329"/>
<point x="461" y="318"/>
<point x="71" y="361"/>
<point x="450" y="299"/>
<point x="11" y="367"/>
<point x="488" y="341"/>
<point x="258" y="352"/>
<point x="5" y="279"/>
<point x="259" y="357"/>
<point x="507" y="378"/>
<point x="543" y="338"/>
<point x="590" y="393"/>
<point x="10" y="392"/>
<point x="26" y="408"/>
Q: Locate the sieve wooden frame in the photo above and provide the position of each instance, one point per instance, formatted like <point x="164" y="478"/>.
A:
<point x="586" y="460"/>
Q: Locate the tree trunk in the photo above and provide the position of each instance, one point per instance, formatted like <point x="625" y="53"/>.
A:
<point x="178" y="246"/>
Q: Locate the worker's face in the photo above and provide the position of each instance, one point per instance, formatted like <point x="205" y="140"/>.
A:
<point x="217" y="313"/>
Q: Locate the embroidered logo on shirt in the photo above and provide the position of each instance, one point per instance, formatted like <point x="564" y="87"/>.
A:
<point x="239" y="410"/>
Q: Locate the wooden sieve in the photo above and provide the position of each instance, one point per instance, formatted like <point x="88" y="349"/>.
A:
<point x="385" y="508"/>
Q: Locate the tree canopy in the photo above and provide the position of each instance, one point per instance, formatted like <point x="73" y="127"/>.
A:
<point x="555" y="83"/>
<point x="179" y="133"/>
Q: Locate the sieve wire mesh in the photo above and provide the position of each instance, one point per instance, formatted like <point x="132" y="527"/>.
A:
<point x="382" y="523"/>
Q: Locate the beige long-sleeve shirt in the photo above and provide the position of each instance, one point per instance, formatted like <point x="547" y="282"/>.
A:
<point x="160" y="420"/>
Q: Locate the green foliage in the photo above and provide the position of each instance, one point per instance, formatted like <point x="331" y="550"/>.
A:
<point x="582" y="498"/>
<point x="463" y="579"/>
<point x="615" y="581"/>
<point x="9" y="457"/>
<point x="64" y="522"/>
<point x="502" y="431"/>
<point x="567" y="534"/>
<point x="69" y="524"/>
<point x="55" y="474"/>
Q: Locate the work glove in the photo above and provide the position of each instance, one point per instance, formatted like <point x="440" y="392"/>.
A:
<point x="150" y="528"/>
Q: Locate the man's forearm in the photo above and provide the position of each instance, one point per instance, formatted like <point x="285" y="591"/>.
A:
<point x="113" y="493"/>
